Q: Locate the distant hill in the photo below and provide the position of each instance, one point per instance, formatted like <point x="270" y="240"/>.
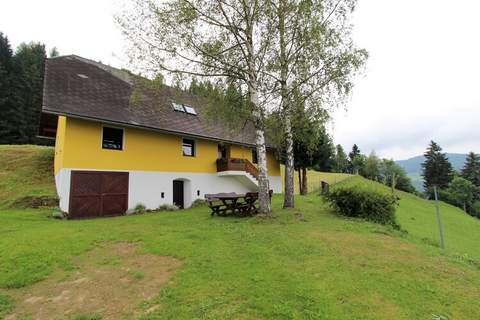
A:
<point x="413" y="167"/>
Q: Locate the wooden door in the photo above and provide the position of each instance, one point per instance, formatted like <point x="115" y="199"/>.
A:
<point x="178" y="197"/>
<point x="98" y="194"/>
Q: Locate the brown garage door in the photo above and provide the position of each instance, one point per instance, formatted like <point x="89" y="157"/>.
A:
<point x="98" y="194"/>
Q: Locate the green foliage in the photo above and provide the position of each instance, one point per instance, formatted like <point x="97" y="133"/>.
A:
<point x="58" y="214"/>
<point x="225" y="102"/>
<point x="357" y="163"/>
<point x="361" y="200"/>
<point x="461" y="192"/>
<point x="392" y="172"/>
<point x="436" y="169"/>
<point x="140" y="208"/>
<point x="53" y="52"/>
<point x="312" y="145"/>
<point x="340" y="164"/>
<point x="23" y="80"/>
<point x="371" y="167"/>
<point x="476" y="209"/>
<point x="168" y="207"/>
<point x="471" y="170"/>
<point x="198" y="203"/>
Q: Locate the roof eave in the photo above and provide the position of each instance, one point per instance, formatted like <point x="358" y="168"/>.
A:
<point x="126" y="124"/>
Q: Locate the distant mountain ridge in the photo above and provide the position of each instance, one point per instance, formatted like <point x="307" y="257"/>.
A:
<point x="413" y="167"/>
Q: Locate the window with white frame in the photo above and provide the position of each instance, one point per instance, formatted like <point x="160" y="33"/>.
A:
<point x="188" y="148"/>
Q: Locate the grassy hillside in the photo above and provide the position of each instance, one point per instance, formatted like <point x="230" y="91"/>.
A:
<point x="306" y="263"/>
<point x="417" y="216"/>
<point x="25" y="171"/>
<point x="315" y="178"/>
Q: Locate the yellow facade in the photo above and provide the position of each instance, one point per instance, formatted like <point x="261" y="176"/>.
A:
<point x="79" y="146"/>
<point x="59" y="144"/>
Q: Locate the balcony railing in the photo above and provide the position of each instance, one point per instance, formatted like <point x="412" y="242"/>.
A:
<point x="235" y="164"/>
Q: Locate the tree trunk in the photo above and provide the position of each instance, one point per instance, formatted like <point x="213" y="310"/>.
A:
<point x="300" y="185"/>
<point x="304" y="182"/>
<point x="289" y="199"/>
<point x="465" y="206"/>
<point x="252" y="82"/>
<point x="263" y="183"/>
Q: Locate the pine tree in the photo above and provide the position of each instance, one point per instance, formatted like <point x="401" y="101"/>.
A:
<point x="355" y="159"/>
<point x="436" y="169"/>
<point x="29" y="65"/>
<point x="9" y="127"/>
<point x="471" y="170"/>
<point x="355" y="152"/>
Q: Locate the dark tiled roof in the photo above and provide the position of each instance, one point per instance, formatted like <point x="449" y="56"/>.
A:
<point x="78" y="87"/>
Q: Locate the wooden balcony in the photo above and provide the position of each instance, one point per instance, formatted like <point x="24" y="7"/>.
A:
<point x="235" y="164"/>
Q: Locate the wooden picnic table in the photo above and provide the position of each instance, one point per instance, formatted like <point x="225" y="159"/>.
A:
<point x="231" y="204"/>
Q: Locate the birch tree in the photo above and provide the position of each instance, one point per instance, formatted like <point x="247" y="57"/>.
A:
<point x="224" y="39"/>
<point x="313" y="53"/>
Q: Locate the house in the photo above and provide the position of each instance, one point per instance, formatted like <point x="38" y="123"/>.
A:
<point x="118" y="144"/>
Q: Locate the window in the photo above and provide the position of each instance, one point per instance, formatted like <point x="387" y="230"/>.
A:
<point x="184" y="108"/>
<point x="188" y="148"/>
<point x="190" y="110"/>
<point x="222" y="152"/>
<point x="178" y="107"/>
<point x="254" y="156"/>
<point x="112" y="138"/>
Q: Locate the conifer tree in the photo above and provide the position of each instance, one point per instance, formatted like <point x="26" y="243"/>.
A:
<point x="9" y="124"/>
<point x="471" y="170"/>
<point x="29" y="65"/>
<point x="355" y="159"/>
<point x="436" y="169"/>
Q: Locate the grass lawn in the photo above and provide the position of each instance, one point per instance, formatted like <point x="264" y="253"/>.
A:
<point x="303" y="264"/>
<point x="315" y="178"/>
<point x="25" y="171"/>
<point x="306" y="263"/>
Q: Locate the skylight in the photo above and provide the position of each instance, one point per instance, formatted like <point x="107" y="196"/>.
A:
<point x="178" y="107"/>
<point x="82" y="76"/>
<point x="184" y="108"/>
<point x="190" y="110"/>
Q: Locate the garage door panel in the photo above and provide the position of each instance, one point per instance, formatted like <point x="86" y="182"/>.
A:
<point x="86" y="183"/>
<point x="115" y="183"/>
<point x="113" y="204"/>
<point x="98" y="193"/>
<point x="86" y="206"/>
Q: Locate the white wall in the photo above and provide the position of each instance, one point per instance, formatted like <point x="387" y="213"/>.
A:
<point x="146" y="187"/>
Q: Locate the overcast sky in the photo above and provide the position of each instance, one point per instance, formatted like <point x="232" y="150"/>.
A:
<point x="421" y="81"/>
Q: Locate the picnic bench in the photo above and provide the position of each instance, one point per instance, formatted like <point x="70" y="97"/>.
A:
<point x="224" y="204"/>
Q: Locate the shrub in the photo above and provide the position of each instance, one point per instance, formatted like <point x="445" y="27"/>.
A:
<point x="58" y="214"/>
<point x="199" y="203"/>
<point x="363" y="201"/>
<point x="168" y="207"/>
<point x="139" y="209"/>
<point x="475" y="211"/>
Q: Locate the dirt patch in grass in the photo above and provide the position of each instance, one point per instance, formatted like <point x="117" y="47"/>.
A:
<point x="111" y="281"/>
